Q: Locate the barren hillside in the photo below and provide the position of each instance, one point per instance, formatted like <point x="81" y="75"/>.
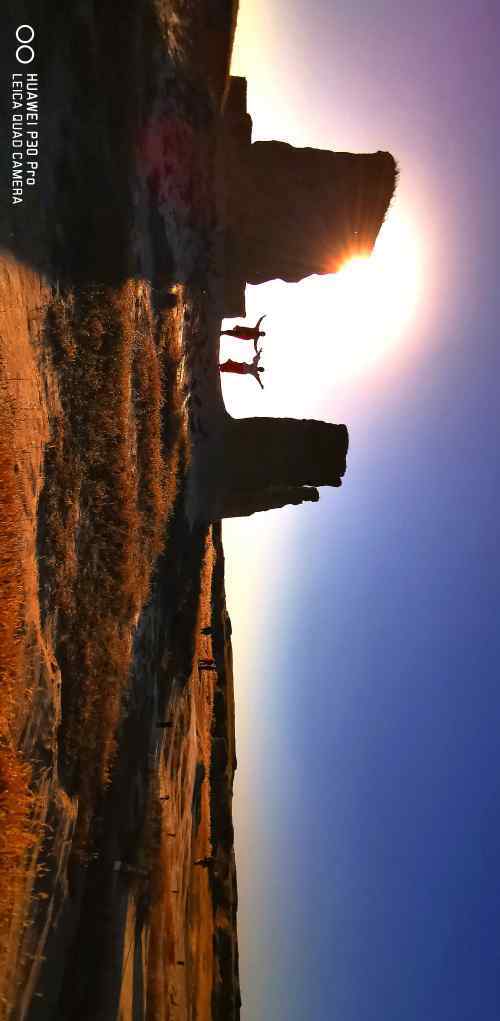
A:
<point x="116" y="743"/>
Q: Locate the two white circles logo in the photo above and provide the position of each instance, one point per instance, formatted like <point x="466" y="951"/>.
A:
<point x="25" y="35"/>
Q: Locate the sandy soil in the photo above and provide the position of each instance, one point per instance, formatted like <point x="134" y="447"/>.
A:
<point x="133" y="929"/>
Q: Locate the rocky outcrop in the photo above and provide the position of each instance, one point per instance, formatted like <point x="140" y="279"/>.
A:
<point x="259" y="453"/>
<point x="226" y="998"/>
<point x="289" y="212"/>
<point x="308" y="211"/>
<point x="257" y="464"/>
<point x="241" y="503"/>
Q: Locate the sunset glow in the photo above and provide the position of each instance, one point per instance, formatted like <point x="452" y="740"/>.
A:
<point x="375" y="606"/>
<point x="373" y="299"/>
<point x="352" y="323"/>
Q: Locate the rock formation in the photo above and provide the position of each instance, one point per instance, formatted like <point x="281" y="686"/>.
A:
<point x="241" y="503"/>
<point x="290" y="212"/>
<point x="287" y="213"/>
<point x="259" y="464"/>
<point x="308" y="211"/>
<point x="259" y="453"/>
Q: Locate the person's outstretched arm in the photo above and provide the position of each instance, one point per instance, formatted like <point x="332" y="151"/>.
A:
<point x="255" y="367"/>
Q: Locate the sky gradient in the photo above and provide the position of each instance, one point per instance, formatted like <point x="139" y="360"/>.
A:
<point x="366" y="639"/>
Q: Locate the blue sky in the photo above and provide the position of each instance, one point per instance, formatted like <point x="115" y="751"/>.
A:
<point x="365" y="627"/>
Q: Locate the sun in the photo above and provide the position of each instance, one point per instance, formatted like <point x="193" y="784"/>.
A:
<point x="373" y="299"/>
<point x="332" y="330"/>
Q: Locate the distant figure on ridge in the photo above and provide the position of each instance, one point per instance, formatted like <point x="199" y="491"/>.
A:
<point x="205" y="862"/>
<point x="246" y="332"/>
<point x="244" y="368"/>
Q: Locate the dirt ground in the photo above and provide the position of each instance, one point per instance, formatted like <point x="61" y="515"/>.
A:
<point x="121" y="922"/>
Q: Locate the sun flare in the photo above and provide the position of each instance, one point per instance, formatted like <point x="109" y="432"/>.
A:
<point x="373" y="299"/>
<point x="330" y="330"/>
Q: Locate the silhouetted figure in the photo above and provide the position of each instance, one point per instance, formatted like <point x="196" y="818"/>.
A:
<point x="205" y="862"/>
<point x="245" y="332"/>
<point x="133" y="870"/>
<point x="207" y="664"/>
<point x="244" y="368"/>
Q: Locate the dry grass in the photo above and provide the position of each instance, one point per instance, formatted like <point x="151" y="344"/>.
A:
<point x="16" y="799"/>
<point x="200" y="36"/>
<point x="161" y="949"/>
<point x="111" y="482"/>
<point x="205" y="649"/>
<point x="167" y="918"/>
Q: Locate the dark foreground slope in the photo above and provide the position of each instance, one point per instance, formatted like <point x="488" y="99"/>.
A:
<point x="105" y="362"/>
<point x="156" y="936"/>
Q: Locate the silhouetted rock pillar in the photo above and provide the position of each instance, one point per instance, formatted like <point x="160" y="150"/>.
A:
<point x="241" y="503"/>
<point x="288" y="212"/>
<point x="270" y="462"/>
<point x="309" y="210"/>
